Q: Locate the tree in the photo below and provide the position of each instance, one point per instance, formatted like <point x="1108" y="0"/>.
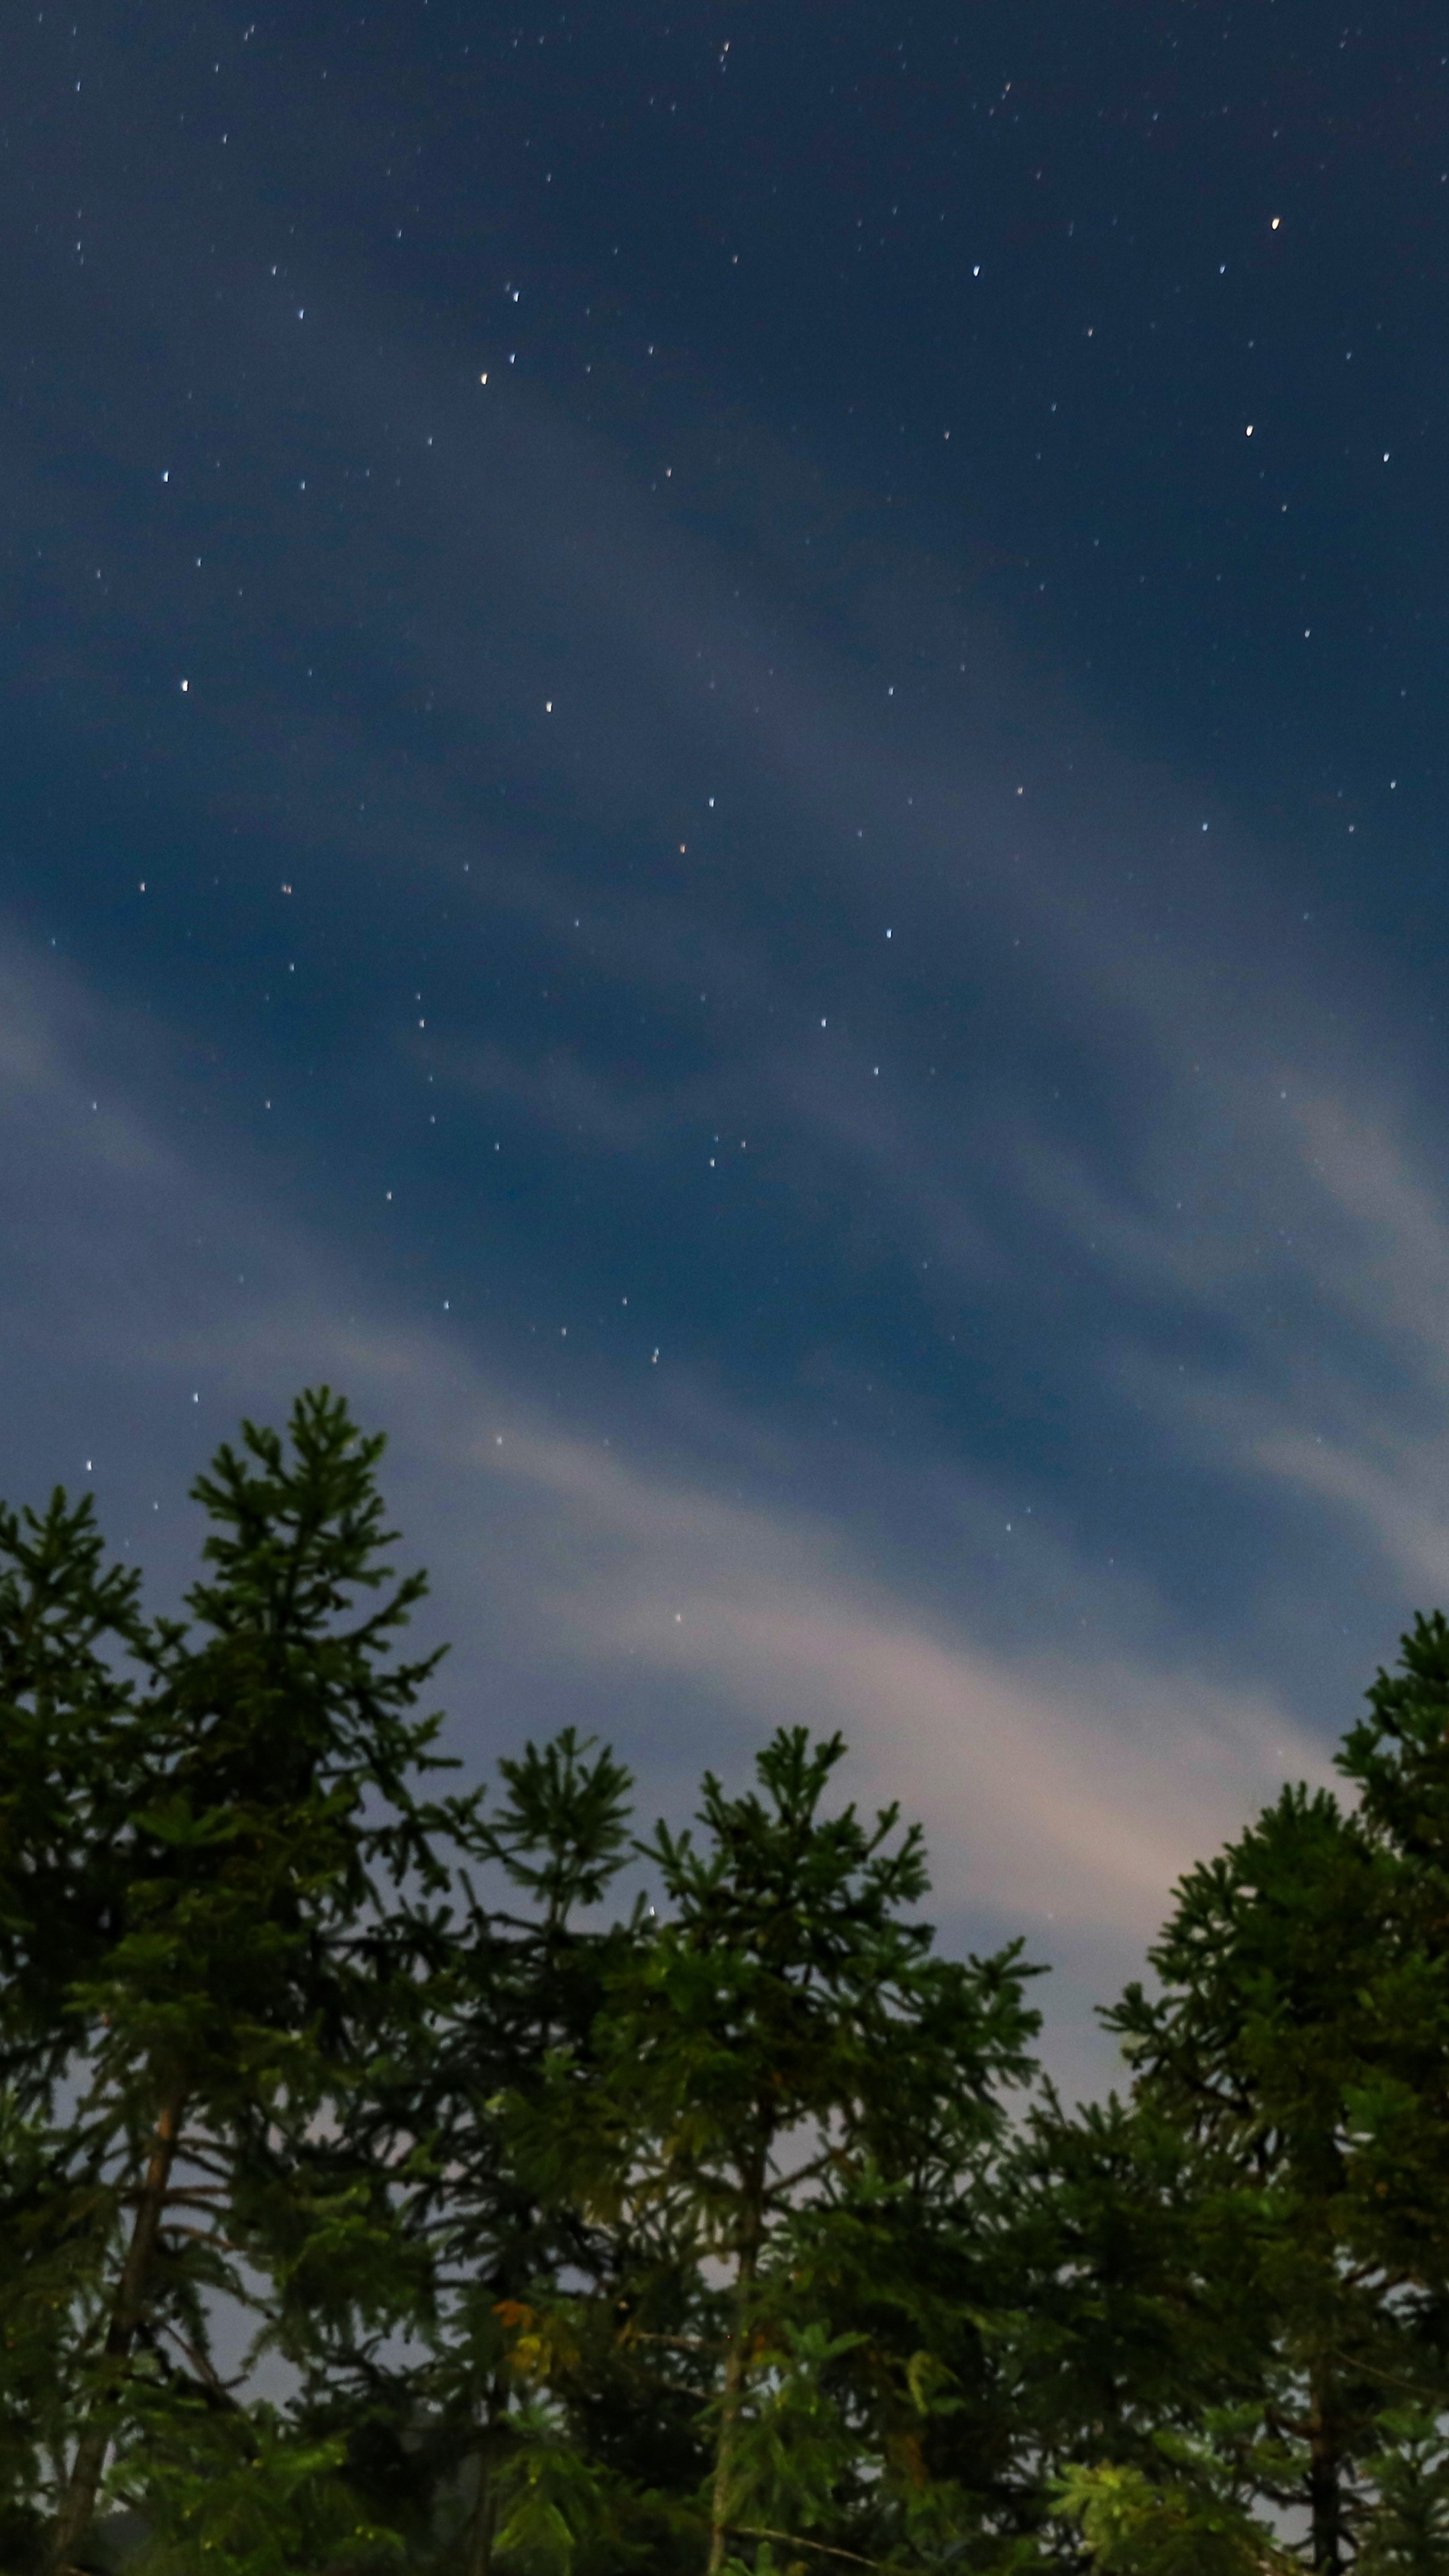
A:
<point x="200" y="1965"/>
<point x="786" y="2068"/>
<point x="1292" y="1978"/>
<point x="1113" y="2333"/>
<point x="67" y="1727"/>
<point x="1397" y="1758"/>
<point x="446" y="2436"/>
<point x="64" y="1712"/>
<point x="1192" y="2519"/>
<point x="676" y="2238"/>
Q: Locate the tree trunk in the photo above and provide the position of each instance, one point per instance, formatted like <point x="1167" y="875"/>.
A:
<point x="492" y="2444"/>
<point x="78" y="2507"/>
<point x="484" y="2528"/>
<point x="1324" y="2495"/>
<point x="736" y="2375"/>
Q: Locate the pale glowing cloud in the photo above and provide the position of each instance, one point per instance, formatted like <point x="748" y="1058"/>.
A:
<point x="1070" y="1792"/>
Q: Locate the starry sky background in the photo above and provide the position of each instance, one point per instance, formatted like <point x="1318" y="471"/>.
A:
<point x="724" y="746"/>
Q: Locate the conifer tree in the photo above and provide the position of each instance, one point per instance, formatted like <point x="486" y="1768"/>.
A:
<point x="1113" y="2333"/>
<point x="685" y="2240"/>
<point x="449" y="2435"/>
<point x="199" y="1962"/>
<point x="1397" y="1758"/>
<point x="64" y="1789"/>
<point x="1286" y="1970"/>
<point x="785" y="2062"/>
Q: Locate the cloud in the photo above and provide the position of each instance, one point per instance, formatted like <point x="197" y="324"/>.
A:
<point x="573" y="1099"/>
<point x="1135" y="1242"/>
<point x="1072" y="1791"/>
<point x="1350" y="1406"/>
<point x="1053" y="1792"/>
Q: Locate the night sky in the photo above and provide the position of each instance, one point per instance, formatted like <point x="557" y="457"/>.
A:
<point x="724" y="772"/>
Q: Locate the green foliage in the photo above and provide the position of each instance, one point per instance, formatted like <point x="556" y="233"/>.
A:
<point x="66" y="1783"/>
<point x="509" y="1995"/>
<point x="1407" y="2534"/>
<point x="1134" y="2525"/>
<point x="795" y="2445"/>
<point x="217" y="2489"/>
<point x="207" y="1960"/>
<point x="787" y="2076"/>
<point x="551" y="2500"/>
<point x="1291" y="1979"/>
<point x="578" y="2243"/>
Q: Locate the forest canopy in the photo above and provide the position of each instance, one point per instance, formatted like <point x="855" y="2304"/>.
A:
<point x="399" y="2175"/>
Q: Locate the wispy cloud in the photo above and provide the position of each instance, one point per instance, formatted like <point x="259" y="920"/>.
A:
<point x="1104" y="1236"/>
<point x="1069" y="1791"/>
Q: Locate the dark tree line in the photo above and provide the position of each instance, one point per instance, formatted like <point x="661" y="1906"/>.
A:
<point x="383" y="2187"/>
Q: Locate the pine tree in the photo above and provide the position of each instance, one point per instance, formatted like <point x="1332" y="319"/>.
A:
<point x="1397" y="1758"/>
<point x="64" y="1718"/>
<point x="450" y="2436"/>
<point x="1286" y="1969"/>
<point x="787" y="2068"/>
<point x="684" y="2239"/>
<point x="205" y="1868"/>
<point x="1112" y="2334"/>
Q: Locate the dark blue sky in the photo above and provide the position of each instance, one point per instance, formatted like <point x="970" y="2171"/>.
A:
<point x="724" y="747"/>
